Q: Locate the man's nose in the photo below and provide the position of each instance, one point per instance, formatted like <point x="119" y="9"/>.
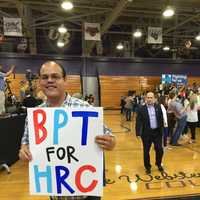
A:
<point x="50" y="79"/>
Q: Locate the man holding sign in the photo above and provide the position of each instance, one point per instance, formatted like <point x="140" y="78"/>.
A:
<point x="72" y="112"/>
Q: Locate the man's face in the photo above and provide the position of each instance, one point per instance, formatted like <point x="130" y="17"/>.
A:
<point x="150" y="99"/>
<point x="52" y="81"/>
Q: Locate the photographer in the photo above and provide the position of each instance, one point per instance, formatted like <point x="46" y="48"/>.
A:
<point x="3" y="75"/>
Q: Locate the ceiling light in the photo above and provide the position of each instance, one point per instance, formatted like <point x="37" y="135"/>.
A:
<point x="60" y="44"/>
<point x="120" y="46"/>
<point x="166" y="48"/>
<point x="169" y="12"/>
<point x="62" y="29"/>
<point x="67" y="5"/>
<point x="63" y="40"/>
<point x="198" y="37"/>
<point x="137" y="33"/>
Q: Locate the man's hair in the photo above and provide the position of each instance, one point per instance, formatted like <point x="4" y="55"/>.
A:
<point x="150" y="92"/>
<point x="172" y="95"/>
<point x="161" y="100"/>
<point x="61" y="67"/>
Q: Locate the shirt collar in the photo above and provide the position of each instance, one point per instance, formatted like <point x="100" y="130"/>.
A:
<point x="150" y="105"/>
<point x="66" y="100"/>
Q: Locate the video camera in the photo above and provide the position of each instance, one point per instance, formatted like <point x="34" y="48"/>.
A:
<point x="30" y="75"/>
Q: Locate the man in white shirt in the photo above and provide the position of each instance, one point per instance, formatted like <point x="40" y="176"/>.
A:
<point x="52" y="77"/>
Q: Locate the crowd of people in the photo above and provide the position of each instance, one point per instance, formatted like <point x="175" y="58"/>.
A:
<point x="163" y="116"/>
<point x="180" y="106"/>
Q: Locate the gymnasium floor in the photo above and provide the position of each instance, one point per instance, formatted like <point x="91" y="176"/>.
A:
<point x="125" y="174"/>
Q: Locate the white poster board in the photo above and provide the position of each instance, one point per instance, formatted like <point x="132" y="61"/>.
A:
<point x="66" y="159"/>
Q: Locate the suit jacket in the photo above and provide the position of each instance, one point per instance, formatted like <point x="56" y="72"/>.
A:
<point x="143" y="122"/>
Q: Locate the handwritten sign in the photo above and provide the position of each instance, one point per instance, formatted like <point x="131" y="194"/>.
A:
<point x="66" y="159"/>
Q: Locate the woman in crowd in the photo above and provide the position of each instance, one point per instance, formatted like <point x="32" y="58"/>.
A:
<point x="162" y="102"/>
<point x="192" y="117"/>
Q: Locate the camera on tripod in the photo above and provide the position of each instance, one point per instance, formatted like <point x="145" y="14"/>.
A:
<point x="30" y="75"/>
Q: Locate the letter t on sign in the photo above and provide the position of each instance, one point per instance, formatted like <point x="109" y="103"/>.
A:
<point x="85" y="115"/>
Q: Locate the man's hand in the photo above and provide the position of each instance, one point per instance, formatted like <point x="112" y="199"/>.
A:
<point x="24" y="153"/>
<point x="12" y="67"/>
<point x="10" y="71"/>
<point x="106" y="142"/>
<point x="138" y="137"/>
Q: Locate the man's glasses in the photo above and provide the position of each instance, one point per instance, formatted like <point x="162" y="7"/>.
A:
<point x="53" y="77"/>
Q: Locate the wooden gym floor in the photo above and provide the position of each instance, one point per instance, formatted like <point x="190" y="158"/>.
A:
<point x="126" y="178"/>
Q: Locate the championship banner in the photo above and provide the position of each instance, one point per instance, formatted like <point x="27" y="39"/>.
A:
<point x="12" y="26"/>
<point x="66" y="159"/>
<point x="92" y="31"/>
<point x="155" y="35"/>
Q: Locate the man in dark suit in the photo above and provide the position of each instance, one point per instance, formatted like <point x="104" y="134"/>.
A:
<point x="149" y="126"/>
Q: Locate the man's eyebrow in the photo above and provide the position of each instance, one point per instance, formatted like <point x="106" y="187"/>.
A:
<point x="50" y="74"/>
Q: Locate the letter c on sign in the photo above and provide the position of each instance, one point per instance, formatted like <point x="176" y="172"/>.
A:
<point x="78" y="179"/>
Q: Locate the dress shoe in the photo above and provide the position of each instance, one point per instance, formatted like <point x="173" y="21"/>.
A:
<point x="148" y="171"/>
<point x="160" y="168"/>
